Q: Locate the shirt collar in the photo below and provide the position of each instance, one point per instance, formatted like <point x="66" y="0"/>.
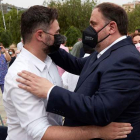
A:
<point x="104" y="50"/>
<point x="37" y="62"/>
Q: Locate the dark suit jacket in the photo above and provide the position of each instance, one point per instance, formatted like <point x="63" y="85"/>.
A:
<point x="108" y="89"/>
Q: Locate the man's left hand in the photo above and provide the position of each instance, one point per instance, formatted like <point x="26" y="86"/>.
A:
<point x="32" y="83"/>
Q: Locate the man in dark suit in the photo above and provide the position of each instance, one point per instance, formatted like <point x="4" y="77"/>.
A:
<point x="109" y="85"/>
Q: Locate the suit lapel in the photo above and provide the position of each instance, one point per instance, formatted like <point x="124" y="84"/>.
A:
<point x="94" y="63"/>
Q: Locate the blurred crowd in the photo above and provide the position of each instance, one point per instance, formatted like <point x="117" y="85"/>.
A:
<point x="7" y="57"/>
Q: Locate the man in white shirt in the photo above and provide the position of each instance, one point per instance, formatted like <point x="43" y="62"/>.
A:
<point x="27" y="118"/>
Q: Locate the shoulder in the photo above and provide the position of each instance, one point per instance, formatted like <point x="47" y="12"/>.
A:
<point x="79" y="44"/>
<point x="16" y="67"/>
<point x="126" y="57"/>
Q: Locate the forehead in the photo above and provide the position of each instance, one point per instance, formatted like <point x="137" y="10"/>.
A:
<point x="96" y="15"/>
<point x="136" y="38"/>
<point x="54" y="26"/>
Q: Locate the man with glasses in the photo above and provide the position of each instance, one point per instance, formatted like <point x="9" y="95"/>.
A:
<point x="27" y="118"/>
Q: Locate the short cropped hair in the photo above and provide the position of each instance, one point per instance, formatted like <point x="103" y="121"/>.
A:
<point x="138" y="30"/>
<point x="113" y="12"/>
<point x="36" y="17"/>
<point x="1" y="44"/>
<point x="135" y="34"/>
<point x="12" y="50"/>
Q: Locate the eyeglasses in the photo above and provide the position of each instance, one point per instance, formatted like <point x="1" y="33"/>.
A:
<point x="48" y="33"/>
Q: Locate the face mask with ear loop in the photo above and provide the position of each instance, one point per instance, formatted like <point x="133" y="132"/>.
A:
<point x="138" y="46"/>
<point x="10" y="53"/>
<point x="90" y="36"/>
<point x="58" y="40"/>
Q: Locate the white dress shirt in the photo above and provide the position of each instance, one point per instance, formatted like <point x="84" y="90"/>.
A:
<point x="104" y="50"/>
<point x="70" y="80"/>
<point x="19" y="46"/>
<point x="27" y="118"/>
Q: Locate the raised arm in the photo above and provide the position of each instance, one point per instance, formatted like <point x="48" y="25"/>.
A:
<point x="68" y="62"/>
<point x="6" y="54"/>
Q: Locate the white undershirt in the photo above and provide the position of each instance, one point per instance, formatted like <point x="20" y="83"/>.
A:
<point x="104" y="50"/>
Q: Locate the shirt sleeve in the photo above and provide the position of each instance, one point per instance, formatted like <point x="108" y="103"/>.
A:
<point x="49" y="92"/>
<point x="65" y="80"/>
<point x="30" y="111"/>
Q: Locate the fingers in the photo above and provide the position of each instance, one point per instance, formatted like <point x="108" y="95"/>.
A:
<point x="128" y="128"/>
<point x="124" y="129"/>
<point x="29" y="73"/>
<point x="24" y="81"/>
<point x="121" y="124"/>
<point x="121" y="137"/>
<point x="27" y="88"/>
<point x="25" y="76"/>
<point x="124" y="133"/>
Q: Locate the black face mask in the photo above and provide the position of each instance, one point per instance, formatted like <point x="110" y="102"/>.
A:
<point x="58" y="40"/>
<point x="90" y="37"/>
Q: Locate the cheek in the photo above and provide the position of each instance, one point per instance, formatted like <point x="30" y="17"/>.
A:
<point x="100" y="35"/>
<point x="49" y="40"/>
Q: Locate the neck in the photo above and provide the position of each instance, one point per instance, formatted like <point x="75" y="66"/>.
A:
<point x="105" y="43"/>
<point x="12" y="55"/>
<point x="35" y="50"/>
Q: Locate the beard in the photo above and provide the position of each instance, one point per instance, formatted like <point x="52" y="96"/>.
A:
<point x="51" y="48"/>
<point x="55" y="46"/>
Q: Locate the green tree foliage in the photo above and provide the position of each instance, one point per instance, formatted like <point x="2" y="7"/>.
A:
<point x="1" y="21"/>
<point x="72" y="35"/>
<point x="134" y="19"/>
<point x="12" y="33"/>
<point x="6" y="38"/>
<point x="12" y="20"/>
<point x="73" y="13"/>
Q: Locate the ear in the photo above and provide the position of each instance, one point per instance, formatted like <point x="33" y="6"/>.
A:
<point x="39" y="35"/>
<point x="113" y="27"/>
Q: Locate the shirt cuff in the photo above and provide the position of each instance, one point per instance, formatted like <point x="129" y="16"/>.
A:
<point x="48" y="95"/>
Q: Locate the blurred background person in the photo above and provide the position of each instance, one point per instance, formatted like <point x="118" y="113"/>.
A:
<point x="4" y="58"/>
<point x="17" y="52"/>
<point x="13" y="56"/>
<point x="63" y="46"/>
<point x="136" y="40"/>
<point x="20" y="45"/>
<point x="13" y="46"/>
<point x="70" y="80"/>
<point x="76" y="50"/>
<point x="137" y="31"/>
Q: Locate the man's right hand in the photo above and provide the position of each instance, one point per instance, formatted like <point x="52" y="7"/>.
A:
<point x="34" y="84"/>
<point x="114" y="131"/>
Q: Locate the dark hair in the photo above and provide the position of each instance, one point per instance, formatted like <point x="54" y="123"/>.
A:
<point x="36" y="17"/>
<point x="138" y="30"/>
<point x="1" y="44"/>
<point x="113" y="12"/>
<point x="134" y="34"/>
<point x="11" y="50"/>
